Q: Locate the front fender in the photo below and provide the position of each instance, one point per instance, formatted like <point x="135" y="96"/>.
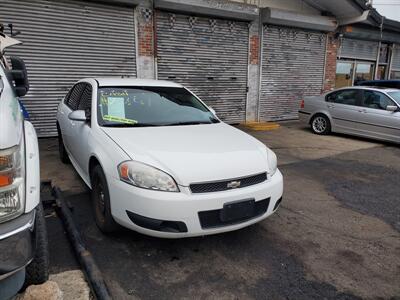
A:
<point x="32" y="165"/>
<point x="107" y="152"/>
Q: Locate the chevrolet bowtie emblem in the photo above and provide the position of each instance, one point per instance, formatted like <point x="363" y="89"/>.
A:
<point x="233" y="184"/>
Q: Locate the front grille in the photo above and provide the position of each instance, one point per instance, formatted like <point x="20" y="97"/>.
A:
<point x="212" y="218"/>
<point x="218" y="186"/>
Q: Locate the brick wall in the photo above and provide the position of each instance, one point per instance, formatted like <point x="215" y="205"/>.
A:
<point x="254" y="49"/>
<point x="145" y="32"/>
<point x="330" y="64"/>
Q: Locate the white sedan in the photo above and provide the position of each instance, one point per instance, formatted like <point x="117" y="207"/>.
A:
<point x="159" y="161"/>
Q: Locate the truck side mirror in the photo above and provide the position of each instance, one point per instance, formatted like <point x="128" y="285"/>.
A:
<point x="19" y="75"/>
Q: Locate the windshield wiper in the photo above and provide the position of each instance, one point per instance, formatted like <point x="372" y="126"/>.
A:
<point x="130" y="125"/>
<point x="187" y="123"/>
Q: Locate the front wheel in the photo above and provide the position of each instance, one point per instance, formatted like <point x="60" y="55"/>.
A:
<point x="320" y="124"/>
<point x="37" y="272"/>
<point x="101" y="201"/>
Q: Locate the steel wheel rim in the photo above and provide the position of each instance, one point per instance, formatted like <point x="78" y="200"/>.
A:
<point x="319" y="124"/>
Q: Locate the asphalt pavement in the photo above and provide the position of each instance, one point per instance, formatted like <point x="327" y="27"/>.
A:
<point x="335" y="236"/>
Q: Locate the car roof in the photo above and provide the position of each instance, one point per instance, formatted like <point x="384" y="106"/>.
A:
<point x="130" y="81"/>
<point x="381" y="80"/>
<point x="375" y="88"/>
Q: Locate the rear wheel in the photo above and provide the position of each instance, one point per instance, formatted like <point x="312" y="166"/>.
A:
<point x="320" y="124"/>
<point x="61" y="148"/>
<point x="101" y="201"/>
<point x="37" y="272"/>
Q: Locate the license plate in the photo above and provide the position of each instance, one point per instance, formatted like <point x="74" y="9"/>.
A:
<point x="237" y="210"/>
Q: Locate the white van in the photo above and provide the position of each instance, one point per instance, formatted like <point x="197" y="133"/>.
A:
<point x="24" y="255"/>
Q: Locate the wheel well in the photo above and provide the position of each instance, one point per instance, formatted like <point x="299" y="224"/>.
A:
<point x="318" y="114"/>
<point x="93" y="161"/>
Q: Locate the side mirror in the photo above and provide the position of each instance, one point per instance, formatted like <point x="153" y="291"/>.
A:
<point x="212" y="110"/>
<point x="19" y="75"/>
<point x="392" y="108"/>
<point x="78" y="115"/>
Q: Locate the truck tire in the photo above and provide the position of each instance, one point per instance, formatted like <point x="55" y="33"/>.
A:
<point x="37" y="272"/>
<point x="101" y="201"/>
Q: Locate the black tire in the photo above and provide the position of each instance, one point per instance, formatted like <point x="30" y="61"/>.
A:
<point x="37" y="272"/>
<point x="101" y="201"/>
<point x="61" y="148"/>
<point x="320" y="124"/>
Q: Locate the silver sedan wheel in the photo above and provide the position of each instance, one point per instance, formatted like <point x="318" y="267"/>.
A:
<point x="319" y="124"/>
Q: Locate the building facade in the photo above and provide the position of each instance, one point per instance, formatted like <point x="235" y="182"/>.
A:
<point x="250" y="60"/>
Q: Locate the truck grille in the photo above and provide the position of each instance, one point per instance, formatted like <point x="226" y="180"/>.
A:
<point x="224" y="185"/>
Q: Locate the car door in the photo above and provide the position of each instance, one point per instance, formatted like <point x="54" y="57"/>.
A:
<point x="376" y="120"/>
<point x="69" y="104"/>
<point x="344" y="108"/>
<point x="80" y="131"/>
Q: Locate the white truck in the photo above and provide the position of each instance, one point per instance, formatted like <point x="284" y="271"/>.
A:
<point x="24" y="257"/>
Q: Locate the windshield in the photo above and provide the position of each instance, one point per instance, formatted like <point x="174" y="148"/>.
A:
<point x="150" y="106"/>
<point x="395" y="96"/>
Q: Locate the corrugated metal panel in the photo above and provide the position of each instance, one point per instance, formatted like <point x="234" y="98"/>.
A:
<point x="209" y="56"/>
<point x="64" y="41"/>
<point x="292" y="67"/>
<point x="396" y="58"/>
<point x="358" y="49"/>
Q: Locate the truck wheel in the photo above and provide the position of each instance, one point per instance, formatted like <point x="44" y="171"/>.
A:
<point x="101" y="201"/>
<point x="320" y="124"/>
<point x="37" y="272"/>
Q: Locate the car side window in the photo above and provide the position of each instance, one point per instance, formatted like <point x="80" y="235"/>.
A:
<point x="85" y="102"/>
<point x="72" y="99"/>
<point x="347" y="97"/>
<point x="376" y="100"/>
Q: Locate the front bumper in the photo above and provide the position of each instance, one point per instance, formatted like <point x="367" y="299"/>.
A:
<point x="185" y="206"/>
<point x="16" y="244"/>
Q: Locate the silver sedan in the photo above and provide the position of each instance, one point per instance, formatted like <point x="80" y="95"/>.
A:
<point x="363" y="111"/>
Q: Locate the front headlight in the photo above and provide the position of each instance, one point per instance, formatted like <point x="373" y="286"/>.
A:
<point x="145" y="176"/>
<point x="12" y="182"/>
<point x="272" y="161"/>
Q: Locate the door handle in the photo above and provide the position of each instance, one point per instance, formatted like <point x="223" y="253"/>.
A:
<point x="331" y="106"/>
<point x="362" y="110"/>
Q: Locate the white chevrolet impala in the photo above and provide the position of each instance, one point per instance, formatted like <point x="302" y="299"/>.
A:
<point x="160" y="162"/>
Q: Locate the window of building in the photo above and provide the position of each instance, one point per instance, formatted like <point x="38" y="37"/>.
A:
<point x="349" y="72"/>
<point x="344" y="74"/>
<point x="395" y="74"/>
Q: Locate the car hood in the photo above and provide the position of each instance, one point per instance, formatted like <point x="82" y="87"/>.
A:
<point x="194" y="153"/>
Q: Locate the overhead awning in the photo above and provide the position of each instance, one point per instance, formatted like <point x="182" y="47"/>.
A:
<point x="228" y="10"/>
<point x="294" y="19"/>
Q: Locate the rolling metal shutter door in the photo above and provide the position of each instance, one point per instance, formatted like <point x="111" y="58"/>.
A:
<point x="64" y="41"/>
<point x="396" y="58"/>
<point x="209" y="56"/>
<point x="350" y="48"/>
<point x="292" y="67"/>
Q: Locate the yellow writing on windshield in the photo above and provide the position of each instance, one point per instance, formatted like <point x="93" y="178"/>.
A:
<point x="119" y="119"/>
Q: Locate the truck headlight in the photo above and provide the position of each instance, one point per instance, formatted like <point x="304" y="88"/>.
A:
<point x="145" y="176"/>
<point x="12" y="182"/>
<point x="272" y="161"/>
